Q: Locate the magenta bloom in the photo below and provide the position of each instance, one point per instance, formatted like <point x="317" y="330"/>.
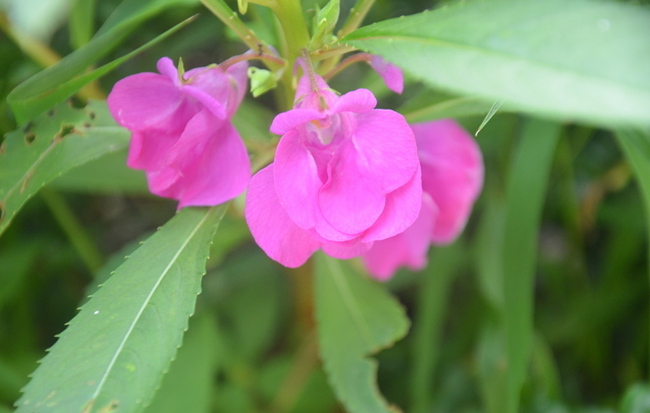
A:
<point x="345" y="175"/>
<point x="452" y="178"/>
<point x="181" y="133"/>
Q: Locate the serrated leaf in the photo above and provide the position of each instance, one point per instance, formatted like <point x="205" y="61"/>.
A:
<point x="525" y="199"/>
<point x="60" y="81"/>
<point x="188" y="384"/>
<point x="50" y="145"/>
<point x="356" y="318"/>
<point x="114" y="352"/>
<point x="570" y="59"/>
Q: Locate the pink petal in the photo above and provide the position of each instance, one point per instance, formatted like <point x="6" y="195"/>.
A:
<point x="452" y="173"/>
<point x="402" y="209"/>
<point x="387" y="152"/>
<point x="327" y="232"/>
<point x="209" y="161"/>
<point x="213" y="105"/>
<point x="286" y="121"/>
<point x="346" y="250"/>
<point x="226" y="88"/>
<point x="357" y="101"/>
<point x="296" y="180"/>
<point x="167" y="68"/>
<point x="148" y="149"/>
<point x="391" y="74"/>
<point x="148" y="101"/>
<point x="221" y="173"/>
<point x="351" y="200"/>
<point x="271" y="227"/>
<point x="406" y="249"/>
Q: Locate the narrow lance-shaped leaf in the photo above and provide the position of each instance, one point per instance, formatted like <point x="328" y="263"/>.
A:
<point x="636" y="144"/>
<point x="570" y="59"/>
<point x="60" y="81"/>
<point x="50" y="145"/>
<point x="525" y="199"/>
<point x="356" y="318"/>
<point x="114" y="352"/>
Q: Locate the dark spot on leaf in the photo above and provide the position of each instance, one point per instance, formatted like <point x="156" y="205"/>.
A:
<point x="2" y="212"/>
<point x="51" y="112"/>
<point x="87" y="125"/>
<point x="64" y="131"/>
<point x="30" y="138"/>
<point x="111" y="407"/>
<point x="28" y="127"/>
<point x="92" y="115"/>
<point x="2" y="148"/>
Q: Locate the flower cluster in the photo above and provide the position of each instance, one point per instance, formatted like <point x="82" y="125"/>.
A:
<point x="345" y="175"/>
<point x="181" y="133"/>
<point x="347" y="178"/>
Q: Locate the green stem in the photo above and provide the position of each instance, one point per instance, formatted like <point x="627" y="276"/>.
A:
<point x="292" y="20"/>
<point x="357" y="14"/>
<point x="296" y="36"/>
<point x="73" y="229"/>
<point x="230" y="18"/>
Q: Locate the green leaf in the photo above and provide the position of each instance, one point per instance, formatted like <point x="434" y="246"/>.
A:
<point x="636" y="145"/>
<point x="524" y="202"/>
<point x="81" y="25"/>
<point x="105" y="175"/>
<point x="636" y="399"/>
<point x="114" y="352"/>
<point x="569" y="59"/>
<point x="52" y="144"/>
<point x="60" y="81"/>
<point x="427" y="106"/>
<point x="356" y="318"/>
<point x="433" y="296"/>
<point x="188" y="384"/>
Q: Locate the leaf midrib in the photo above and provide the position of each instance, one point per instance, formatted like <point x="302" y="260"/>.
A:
<point x="350" y="304"/>
<point x="111" y="364"/>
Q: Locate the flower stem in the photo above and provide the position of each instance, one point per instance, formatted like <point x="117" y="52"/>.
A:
<point x="359" y="57"/>
<point x="357" y="14"/>
<point x="230" y="18"/>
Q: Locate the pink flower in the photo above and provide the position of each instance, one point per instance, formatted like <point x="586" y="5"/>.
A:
<point x="345" y="175"/>
<point x="181" y="133"/>
<point x="391" y="74"/>
<point x="452" y="178"/>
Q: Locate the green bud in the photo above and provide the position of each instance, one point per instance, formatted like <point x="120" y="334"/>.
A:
<point x="262" y="81"/>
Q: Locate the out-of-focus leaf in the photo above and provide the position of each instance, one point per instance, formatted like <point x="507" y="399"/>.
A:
<point x="15" y="261"/>
<point x="187" y="385"/>
<point x="250" y="300"/>
<point x="524" y="201"/>
<point x="58" y="82"/>
<point x="81" y="25"/>
<point x="115" y="351"/>
<point x="491" y="363"/>
<point x="52" y="144"/>
<point x="38" y="18"/>
<point x="576" y="59"/>
<point x="636" y="144"/>
<point x="356" y="318"/>
<point x="434" y="293"/>
<point x="105" y="175"/>
<point x="636" y="399"/>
